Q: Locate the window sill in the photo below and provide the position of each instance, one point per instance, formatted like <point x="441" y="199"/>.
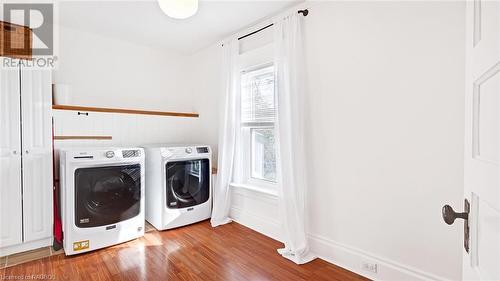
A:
<point x="265" y="190"/>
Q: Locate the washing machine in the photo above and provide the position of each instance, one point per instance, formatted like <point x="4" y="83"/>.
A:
<point x="102" y="197"/>
<point x="178" y="185"/>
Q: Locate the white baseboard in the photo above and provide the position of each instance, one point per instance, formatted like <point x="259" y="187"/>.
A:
<point x="351" y="259"/>
<point x="28" y="246"/>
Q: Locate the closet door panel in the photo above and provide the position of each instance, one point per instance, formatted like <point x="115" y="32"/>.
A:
<point x="10" y="159"/>
<point x="36" y="100"/>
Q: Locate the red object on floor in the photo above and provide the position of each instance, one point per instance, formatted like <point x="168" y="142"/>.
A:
<point x="58" y="233"/>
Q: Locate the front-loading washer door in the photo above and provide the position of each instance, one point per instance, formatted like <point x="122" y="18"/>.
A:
<point x="107" y="195"/>
<point x="187" y="183"/>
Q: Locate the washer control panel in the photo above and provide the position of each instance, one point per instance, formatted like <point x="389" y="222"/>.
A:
<point x="131" y="153"/>
<point x="105" y="154"/>
<point x="110" y="154"/>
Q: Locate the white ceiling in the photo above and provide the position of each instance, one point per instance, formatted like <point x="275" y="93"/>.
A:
<point x="144" y="22"/>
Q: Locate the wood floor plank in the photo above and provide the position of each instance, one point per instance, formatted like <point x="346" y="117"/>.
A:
<point x="195" y="252"/>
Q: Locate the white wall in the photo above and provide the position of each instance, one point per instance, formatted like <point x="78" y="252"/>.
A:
<point x="386" y="131"/>
<point x="205" y="80"/>
<point x="386" y="103"/>
<point x="107" y="72"/>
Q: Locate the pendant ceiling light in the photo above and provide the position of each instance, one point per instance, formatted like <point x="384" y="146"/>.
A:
<point x="179" y="9"/>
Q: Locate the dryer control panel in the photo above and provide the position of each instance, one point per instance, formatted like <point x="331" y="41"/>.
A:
<point x="202" y="149"/>
<point x="184" y="151"/>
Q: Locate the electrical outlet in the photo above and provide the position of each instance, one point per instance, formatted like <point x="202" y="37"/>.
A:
<point x="371" y="267"/>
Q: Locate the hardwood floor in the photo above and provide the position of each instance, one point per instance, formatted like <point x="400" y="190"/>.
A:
<point x="196" y="252"/>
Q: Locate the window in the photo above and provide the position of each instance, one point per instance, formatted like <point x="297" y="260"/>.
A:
<point x="263" y="154"/>
<point x="257" y="124"/>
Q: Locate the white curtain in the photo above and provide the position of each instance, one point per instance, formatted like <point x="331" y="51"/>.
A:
<point x="290" y="94"/>
<point x="227" y="135"/>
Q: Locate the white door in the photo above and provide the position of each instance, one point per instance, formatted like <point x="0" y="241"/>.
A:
<point x="482" y="141"/>
<point x="36" y="100"/>
<point x="10" y="159"/>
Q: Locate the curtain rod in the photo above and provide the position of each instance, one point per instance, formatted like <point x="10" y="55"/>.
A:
<point x="303" y="12"/>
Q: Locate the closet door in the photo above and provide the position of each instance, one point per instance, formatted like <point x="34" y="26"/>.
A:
<point x="36" y="101"/>
<point x="10" y="159"/>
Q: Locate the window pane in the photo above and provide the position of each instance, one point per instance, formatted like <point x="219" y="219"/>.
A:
<point x="263" y="154"/>
<point x="257" y="95"/>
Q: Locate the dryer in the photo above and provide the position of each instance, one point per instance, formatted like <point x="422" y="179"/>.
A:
<point x="102" y="197"/>
<point x="178" y="185"/>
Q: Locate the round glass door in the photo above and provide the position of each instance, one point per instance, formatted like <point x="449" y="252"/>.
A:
<point x="107" y="195"/>
<point x="187" y="183"/>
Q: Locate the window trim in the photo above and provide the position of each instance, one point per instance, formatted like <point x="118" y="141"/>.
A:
<point x="256" y="67"/>
<point x="272" y="192"/>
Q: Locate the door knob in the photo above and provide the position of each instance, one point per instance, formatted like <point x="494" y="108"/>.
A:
<point x="449" y="215"/>
<point x="27" y="152"/>
<point x="14" y="152"/>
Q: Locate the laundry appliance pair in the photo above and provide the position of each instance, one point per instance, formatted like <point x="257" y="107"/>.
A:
<point x="107" y="193"/>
